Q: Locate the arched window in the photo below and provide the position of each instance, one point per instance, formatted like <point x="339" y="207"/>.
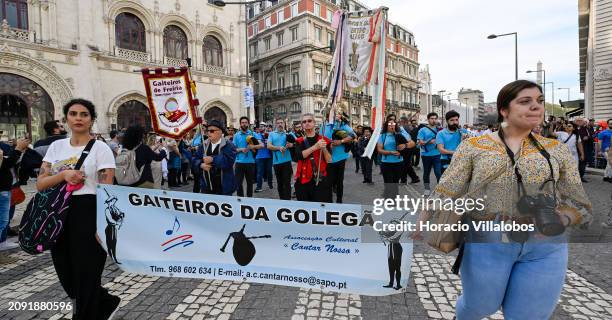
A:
<point x="15" y="12"/>
<point x="133" y="113"/>
<point x="175" y="42"/>
<point x="212" y="51"/>
<point x="295" y="108"/>
<point x="130" y="32"/>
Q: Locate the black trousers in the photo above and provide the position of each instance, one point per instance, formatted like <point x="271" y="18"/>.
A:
<point x="416" y="156"/>
<point x="283" y="172"/>
<point x="366" y="167"/>
<point x="335" y="173"/>
<point x="245" y="170"/>
<point x="394" y="261"/>
<point x="408" y="170"/>
<point x="391" y="172"/>
<point x="196" y="182"/>
<point x="314" y="193"/>
<point x="79" y="259"/>
<point x="582" y="167"/>
<point x="445" y="163"/>
<point x="173" y="177"/>
<point x="357" y="162"/>
<point x="185" y="171"/>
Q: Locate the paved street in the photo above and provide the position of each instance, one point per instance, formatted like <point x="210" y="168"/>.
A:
<point x="432" y="294"/>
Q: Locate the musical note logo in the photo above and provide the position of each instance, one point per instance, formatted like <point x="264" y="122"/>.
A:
<point x="177" y="224"/>
<point x="183" y="240"/>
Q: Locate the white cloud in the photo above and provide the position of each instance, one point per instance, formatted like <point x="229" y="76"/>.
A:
<point x="452" y="39"/>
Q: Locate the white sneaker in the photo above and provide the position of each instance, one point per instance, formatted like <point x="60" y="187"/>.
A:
<point x="8" y="245"/>
<point x="427" y="192"/>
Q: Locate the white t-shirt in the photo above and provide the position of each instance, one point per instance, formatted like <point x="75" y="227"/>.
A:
<point x="562" y="136"/>
<point x="63" y="156"/>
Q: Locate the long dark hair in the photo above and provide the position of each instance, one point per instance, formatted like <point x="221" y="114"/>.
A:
<point x="509" y="93"/>
<point x="133" y="137"/>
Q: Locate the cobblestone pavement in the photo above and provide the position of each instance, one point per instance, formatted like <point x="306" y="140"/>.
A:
<point x="432" y="292"/>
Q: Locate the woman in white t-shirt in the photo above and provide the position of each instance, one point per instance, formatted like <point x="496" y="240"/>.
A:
<point x="570" y="138"/>
<point x="77" y="256"/>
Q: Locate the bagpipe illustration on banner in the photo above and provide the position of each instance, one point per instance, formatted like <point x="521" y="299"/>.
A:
<point x="170" y="99"/>
<point x="291" y="243"/>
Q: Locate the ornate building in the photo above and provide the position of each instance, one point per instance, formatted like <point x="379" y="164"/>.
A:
<point x="51" y="51"/>
<point x="289" y="83"/>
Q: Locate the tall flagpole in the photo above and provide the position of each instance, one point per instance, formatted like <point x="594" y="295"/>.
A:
<point x="196" y="103"/>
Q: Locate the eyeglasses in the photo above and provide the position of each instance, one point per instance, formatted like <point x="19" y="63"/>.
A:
<point x="307" y="121"/>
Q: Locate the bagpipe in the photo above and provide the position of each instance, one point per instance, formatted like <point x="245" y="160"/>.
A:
<point x="252" y="141"/>
<point x="339" y="134"/>
<point x="243" y="248"/>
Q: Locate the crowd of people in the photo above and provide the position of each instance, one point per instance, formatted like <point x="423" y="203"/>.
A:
<point x="304" y="160"/>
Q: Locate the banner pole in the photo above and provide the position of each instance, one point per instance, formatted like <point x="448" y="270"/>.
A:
<point x="192" y="83"/>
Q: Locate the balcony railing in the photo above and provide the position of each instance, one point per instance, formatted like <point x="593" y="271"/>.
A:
<point x="14" y="33"/>
<point x="218" y="70"/>
<point x="175" y="62"/>
<point x="132" y="55"/>
<point x="318" y="87"/>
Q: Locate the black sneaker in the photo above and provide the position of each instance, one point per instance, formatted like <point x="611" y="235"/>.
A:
<point x="258" y="190"/>
<point x="110" y="305"/>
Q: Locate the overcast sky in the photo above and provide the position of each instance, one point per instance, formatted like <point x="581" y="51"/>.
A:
<point x="452" y="38"/>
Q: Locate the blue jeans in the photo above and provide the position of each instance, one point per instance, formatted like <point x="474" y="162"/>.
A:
<point x="428" y="163"/>
<point x="525" y="280"/>
<point x="264" y="167"/>
<point x="4" y="233"/>
<point x="5" y="207"/>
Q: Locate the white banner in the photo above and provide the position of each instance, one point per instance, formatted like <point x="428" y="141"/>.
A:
<point x="291" y="243"/>
<point x="357" y="52"/>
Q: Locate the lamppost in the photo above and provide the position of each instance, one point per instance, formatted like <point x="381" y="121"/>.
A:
<point x="467" y="111"/>
<point x="221" y="3"/>
<point x="493" y="36"/>
<point x="553" y="96"/>
<point x="568" y="92"/>
<point x="440" y="92"/>
<point x="543" y="80"/>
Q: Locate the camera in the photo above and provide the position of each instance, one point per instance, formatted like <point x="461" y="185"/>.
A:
<point x="542" y="208"/>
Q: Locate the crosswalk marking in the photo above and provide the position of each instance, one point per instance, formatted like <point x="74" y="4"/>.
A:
<point x="24" y="288"/>
<point x="215" y="298"/>
<point x="17" y="259"/>
<point x="126" y="285"/>
<point x="326" y="305"/>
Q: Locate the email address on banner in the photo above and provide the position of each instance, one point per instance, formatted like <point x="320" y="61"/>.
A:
<point x="312" y="281"/>
<point x="239" y="273"/>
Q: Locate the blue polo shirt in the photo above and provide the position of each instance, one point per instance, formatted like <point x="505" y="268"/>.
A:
<point x="338" y="152"/>
<point x="450" y="140"/>
<point x="428" y="150"/>
<point x="389" y="144"/>
<point x="279" y="139"/>
<point x="605" y="137"/>
<point x="240" y="142"/>
<point x="262" y="153"/>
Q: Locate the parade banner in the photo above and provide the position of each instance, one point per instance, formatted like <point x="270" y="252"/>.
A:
<point x="357" y="52"/>
<point x="378" y="87"/>
<point x="291" y="243"/>
<point x="170" y="99"/>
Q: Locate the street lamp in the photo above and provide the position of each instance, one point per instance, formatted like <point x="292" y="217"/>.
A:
<point x="543" y="80"/>
<point x="440" y="92"/>
<point x="467" y="111"/>
<point x="553" y="96"/>
<point x="568" y="92"/>
<point x="493" y="36"/>
<point x="221" y="3"/>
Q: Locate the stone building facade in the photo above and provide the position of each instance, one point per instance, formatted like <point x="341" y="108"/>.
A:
<point x="289" y="83"/>
<point x="51" y="51"/>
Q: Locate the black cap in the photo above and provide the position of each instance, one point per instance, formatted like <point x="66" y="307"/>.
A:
<point x="216" y="123"/>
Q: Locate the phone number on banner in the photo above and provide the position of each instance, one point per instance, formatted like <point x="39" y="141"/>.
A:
<point x="245" y="275"/>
